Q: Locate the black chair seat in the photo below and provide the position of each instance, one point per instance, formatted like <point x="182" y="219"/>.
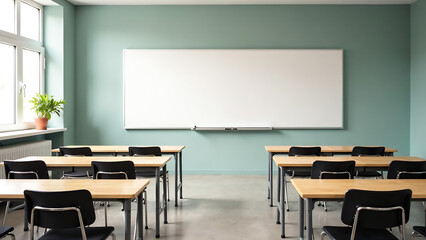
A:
<point x="368" y="174"/>
<point x="92" y="233"/>
<point x="421" y="230"/>
<point x="77" y="174"/>
<point x="344" y="233"/>
<point x="4" y="230"/>
<point x="298" y="173"/>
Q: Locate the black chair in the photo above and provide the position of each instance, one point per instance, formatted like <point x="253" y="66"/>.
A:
<point x="369" y="213"/>
<point x="6" y="231"/>
<point x="299" y="151"/>
<point x="149" y="172"/>
<point x="23" y="170"/>
<point x="359" y="151"/>
<point x="76" y="152"/>
<point x="332" y="170"/>
<point x="117" y="170"/>
<point x="418" y="231"/>
<point x="66" y="214"/>
<point x="407" y="170"/>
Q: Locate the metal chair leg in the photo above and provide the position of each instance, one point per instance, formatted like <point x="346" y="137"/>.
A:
<point x="323" y="235"/>
<point x="9" y="209"/>
<point x="6" y="211"/>
<point x="325" y="206"/>
<point x="146" y="216"/>
<point x="136" y="227"/>
<point x="286" y="194"/>
<point x="414" y="235"/>
<point x="168" y="187"/>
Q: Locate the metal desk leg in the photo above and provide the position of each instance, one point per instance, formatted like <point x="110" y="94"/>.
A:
<point x="309" y="208"/>
<point x="176" y="178"/>
<point x="140" y="216"/>
<point x="270" y="180"/>
<point x="424" y="206"/>
<point x="127" y="222"/>
<point x="157" y="202"/>
<point x="269" y="175"/>
<point x="164" y="202"/>
<point x="279" y="201"/>
<point x="301" y="218"/>
<point x="181" y="175"/>
<point x="282" y="205"/>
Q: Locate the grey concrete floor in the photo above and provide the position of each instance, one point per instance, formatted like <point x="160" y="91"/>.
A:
<point x="220" y="207"/>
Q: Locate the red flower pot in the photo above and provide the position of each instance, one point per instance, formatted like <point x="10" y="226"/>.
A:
<point x="41" y="123"/>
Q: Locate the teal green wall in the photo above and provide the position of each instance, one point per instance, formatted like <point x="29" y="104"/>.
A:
<point x="418" y="79"/>
<point x="53" y="41"/>
<point x="375" y="39"/>
<point x="60" y="80"/>
<point x="69" y="71"/>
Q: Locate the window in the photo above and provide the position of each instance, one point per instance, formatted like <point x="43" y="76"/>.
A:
<point x="7" y="84"/>
<point x="7" y="15"/>
<point x="21" y="62"/>
<point x="30" y="21"/>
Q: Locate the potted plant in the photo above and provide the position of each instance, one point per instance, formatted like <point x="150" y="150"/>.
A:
<point x="44" y="106"/>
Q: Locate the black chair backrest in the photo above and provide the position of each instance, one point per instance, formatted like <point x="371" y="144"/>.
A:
<point x="368" y="151"/>
<point x="380" y="199"/>
<point x="155" y="151"/>
<point x="23" y="169"/>
<point x="81" y="199"/>
<point x="342" y="170"/>
<point x="407" y="170"/>
<point x="75" y="151"/>
<point x="304" y="151"/>
<point x="127" y="167"/>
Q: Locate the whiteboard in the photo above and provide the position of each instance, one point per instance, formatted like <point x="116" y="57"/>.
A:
<point x="278" y="88"/>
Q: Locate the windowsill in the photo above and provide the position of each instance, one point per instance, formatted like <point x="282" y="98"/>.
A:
<point x="28" y="133"/>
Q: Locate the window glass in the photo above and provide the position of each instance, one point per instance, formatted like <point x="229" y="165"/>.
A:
<point x="7" y="84"/>
<point x="31" y="81"/>
<point x="30" y="21"/>
<point x="7" y="15"/>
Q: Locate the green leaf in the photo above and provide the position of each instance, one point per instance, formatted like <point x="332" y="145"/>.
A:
<point x="45" y="105"/>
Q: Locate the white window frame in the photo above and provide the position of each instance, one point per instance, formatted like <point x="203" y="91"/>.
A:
<point x="20" y="43"/>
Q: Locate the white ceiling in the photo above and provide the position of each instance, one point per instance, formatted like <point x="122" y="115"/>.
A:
<point x="232" y="2"/>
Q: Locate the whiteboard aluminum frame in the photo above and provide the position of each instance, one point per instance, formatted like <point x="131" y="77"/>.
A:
<point x="238" y="128"/>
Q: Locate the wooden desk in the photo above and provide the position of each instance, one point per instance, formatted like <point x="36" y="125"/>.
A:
<point x="101" y="190"/>
<point x="325" y="150"/>
<point x="312" y="190"/>
<point x="176" y="151"/>
<point x="367" y="161"/>
<point x="61" y="163"/>
<point x="305" y="163"/>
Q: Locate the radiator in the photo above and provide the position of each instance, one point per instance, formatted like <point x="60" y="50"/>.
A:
<point x="16" y="151"/>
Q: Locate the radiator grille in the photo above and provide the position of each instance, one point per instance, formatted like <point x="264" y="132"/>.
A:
<point x="16" y="151"/>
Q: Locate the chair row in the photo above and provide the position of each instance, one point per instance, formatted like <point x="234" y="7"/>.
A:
<point x="133" y="151"/>
<point x="74" y="207"/>
<point x="346" y="170"/>
<point x="368" y="212"/>
<point x="357" y="151"/>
